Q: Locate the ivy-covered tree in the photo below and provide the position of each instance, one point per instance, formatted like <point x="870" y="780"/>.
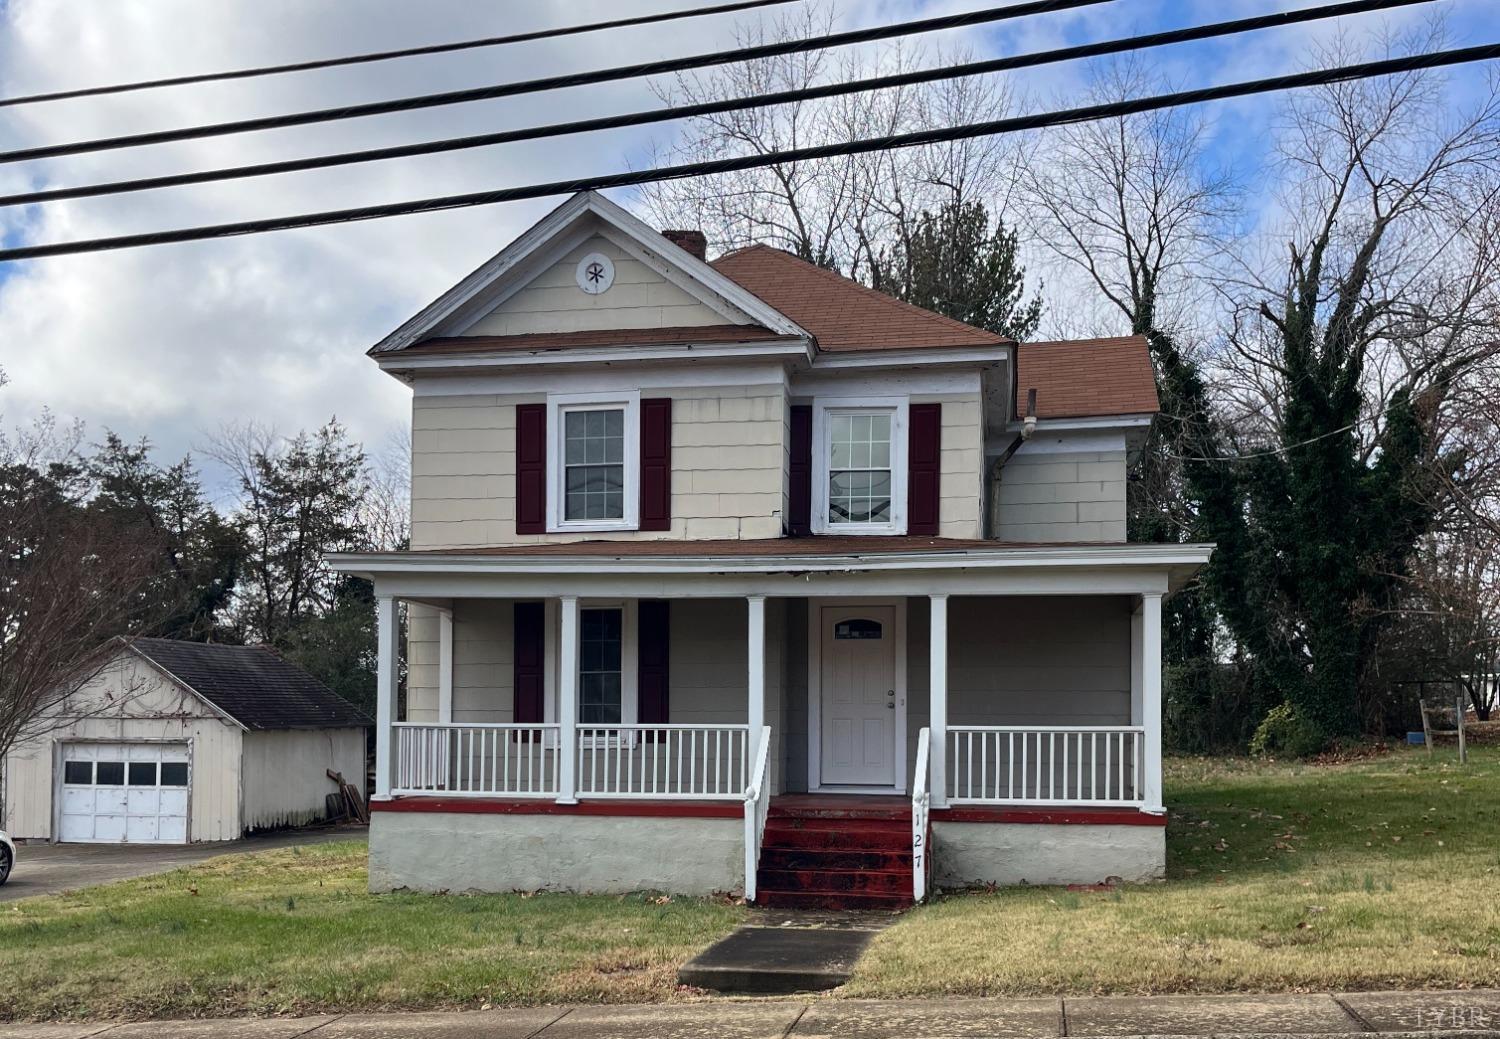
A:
<point x="953" y="262"/>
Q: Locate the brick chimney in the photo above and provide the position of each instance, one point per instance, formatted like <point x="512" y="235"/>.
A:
<point x="693" y="241"/>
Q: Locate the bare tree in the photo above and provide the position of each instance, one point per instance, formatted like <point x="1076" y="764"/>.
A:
<point x="838" y="212"/>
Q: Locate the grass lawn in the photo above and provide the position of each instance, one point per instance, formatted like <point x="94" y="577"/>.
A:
<point x="1382" y="873"/>
<point x="1378" y="874"/>
<point x="296" y="931"/>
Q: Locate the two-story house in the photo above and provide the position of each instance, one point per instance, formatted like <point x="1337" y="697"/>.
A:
<point x="740" y="576"/>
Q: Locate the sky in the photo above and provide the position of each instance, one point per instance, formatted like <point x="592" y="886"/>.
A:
<point x="174" y="342"/>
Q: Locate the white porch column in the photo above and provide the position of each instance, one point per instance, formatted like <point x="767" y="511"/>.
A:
<point x="937" y="651"/>
<point x="445" y="666"/>
<point x="388" y="666"/>
<point x="567" y="701"/>
<point x="756" y="677"/>
<point x="1150" y="628"/>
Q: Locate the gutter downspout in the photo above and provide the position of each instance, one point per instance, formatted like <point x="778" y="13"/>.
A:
<point x="1028" y="429"/>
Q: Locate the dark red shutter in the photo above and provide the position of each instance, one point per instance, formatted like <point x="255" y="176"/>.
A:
<point x="924" y="468"/>
<point x="653" y="639"/>
<point x="799" y="475"/>
<point x="531" y="468"/>
<point x="530" y="653"/>
<point x="656" y="463"/>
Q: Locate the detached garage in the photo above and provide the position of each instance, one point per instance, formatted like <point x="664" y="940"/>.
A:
<point x="183" y="741"/>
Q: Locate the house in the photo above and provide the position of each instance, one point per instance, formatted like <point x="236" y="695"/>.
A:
<point x="176" y="742"/>
<point x="739" y="576"/>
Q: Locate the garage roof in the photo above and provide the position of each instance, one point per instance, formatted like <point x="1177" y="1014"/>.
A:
<point x="252" y="684"/>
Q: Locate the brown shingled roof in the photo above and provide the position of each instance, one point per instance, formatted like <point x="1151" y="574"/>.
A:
<point x="843" y="314"/>
<point x="600" y="337"/>
<point x="1087" y="378"/>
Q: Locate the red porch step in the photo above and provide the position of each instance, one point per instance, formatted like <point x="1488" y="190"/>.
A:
<point x="833" y="852"/>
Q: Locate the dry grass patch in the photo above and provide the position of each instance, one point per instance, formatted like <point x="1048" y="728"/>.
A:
<point x="1373" y="874"/>
<point x="295" y="931"/>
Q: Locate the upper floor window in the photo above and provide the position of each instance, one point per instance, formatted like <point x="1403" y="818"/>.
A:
<point x="594" y="462"/>
<point x="861" y="461"/>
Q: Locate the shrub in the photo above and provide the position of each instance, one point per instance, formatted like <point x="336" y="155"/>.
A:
<point x="1286" y="733"/>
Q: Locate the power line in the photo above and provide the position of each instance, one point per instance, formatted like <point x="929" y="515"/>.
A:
<point x="1268" y="453"/>
<point x="1087" y="50"/>
<point x="406" y="52"/>
<point x="1363" y="70"/>
<point x="575" y="79"/>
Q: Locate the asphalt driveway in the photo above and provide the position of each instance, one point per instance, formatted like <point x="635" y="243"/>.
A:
<point x="46" y="869"/>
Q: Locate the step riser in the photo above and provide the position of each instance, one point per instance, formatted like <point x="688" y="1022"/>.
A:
<point x="788" y="900"/>
<point x="836" y="840"/>
<point x="833" y="883"/>
<point x="827" y="859"/>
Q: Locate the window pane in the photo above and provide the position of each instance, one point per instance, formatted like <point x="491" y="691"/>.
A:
<point x="110" y="773"/>
<point x="593" y="460"/>
<point x="859" y="477"/>
<point x="143" y="773"/>
<point x="599" y="678"/>
<point x="174" y="773"/>
<point x="79" y="773"/>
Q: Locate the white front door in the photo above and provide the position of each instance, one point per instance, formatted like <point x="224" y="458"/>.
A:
<point x="859" y="696"/>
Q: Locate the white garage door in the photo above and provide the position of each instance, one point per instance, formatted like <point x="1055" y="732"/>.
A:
<point x="119" y="793"/>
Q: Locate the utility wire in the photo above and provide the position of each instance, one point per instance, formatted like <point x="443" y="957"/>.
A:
<point x="572" y="79"/>
<point x="1087" y="50"/>
<point x="1339" y="74"/>
<point x="406" y="52"/>
<point x="1269" y="453"/>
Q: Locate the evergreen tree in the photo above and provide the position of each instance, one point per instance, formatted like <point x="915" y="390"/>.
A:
<point x="953" y="263"/>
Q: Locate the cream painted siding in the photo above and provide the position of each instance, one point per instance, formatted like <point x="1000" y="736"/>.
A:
<point x="553" y="302"/>
<point x="728" y="451"/>
<point x="286" y="773"/>
<point x="1063" y="496"/>
<point x="132" y="701"/>
<point x="962" y="473"/>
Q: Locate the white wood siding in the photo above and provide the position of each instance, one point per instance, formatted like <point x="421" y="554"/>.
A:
<point x="285" y="772"/>
<point x="1064" y="489"/>
<point x="553" y="302"/>
<point x="132" y="701"/>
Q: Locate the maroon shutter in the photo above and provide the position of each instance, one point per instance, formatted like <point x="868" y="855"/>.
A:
<point x="799" y="474"/>
<point x="531" y="468"/>
<point x="653" y="641"/>
<point x="924" y="468"/>
<point x="530" y="653"/>
<point x="656" y="463"/>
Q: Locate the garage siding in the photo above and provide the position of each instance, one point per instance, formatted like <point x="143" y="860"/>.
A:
<point x="286" y="773"/>
<point x="130" y="700"/>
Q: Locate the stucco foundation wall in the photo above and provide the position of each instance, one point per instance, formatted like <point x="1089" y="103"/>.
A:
<point x="966" y="854"/>
<point x="426" y="851"/>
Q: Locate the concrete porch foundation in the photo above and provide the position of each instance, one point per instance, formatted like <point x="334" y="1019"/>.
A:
<point x="970" y="854"/>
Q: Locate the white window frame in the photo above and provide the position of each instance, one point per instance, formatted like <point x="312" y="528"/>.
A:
<point x="823" y="408"/>
<point x="558" y="405"/>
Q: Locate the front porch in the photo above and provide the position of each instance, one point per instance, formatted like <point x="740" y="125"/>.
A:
<point x="563" y="710"/>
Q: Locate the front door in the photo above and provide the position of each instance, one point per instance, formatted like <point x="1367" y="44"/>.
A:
<point x="859" y="700"/>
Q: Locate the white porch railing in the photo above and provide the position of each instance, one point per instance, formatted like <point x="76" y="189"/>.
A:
<point x="757" y="807"/>
<point x="479" y="760"/>
<point x="701" y="762"/>
<point x="921" y="827"/>
<point x="1096" y="765"/>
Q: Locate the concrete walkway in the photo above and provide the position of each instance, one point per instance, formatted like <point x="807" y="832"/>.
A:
<point x="1469" y="1014"/>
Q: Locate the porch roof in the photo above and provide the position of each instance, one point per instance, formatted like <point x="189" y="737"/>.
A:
<point x="831" y="557"/>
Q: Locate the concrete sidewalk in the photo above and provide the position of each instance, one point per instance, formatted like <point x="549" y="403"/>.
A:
<point x="1470" y="1014"/>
